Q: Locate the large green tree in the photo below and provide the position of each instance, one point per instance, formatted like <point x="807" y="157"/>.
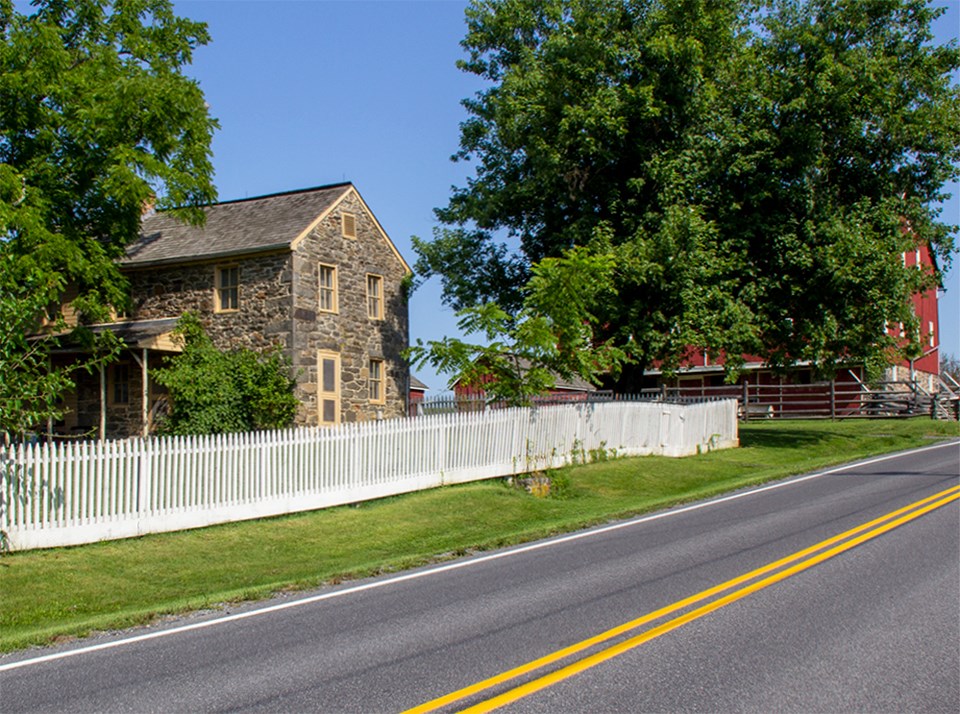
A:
<point x="96" y="120"/>
<point x="753" y="169"/>
<point x="28" y="388"/>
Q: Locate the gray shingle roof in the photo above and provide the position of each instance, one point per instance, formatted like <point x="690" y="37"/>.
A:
<point x="246" y="226"/>
<point x="417" y="384"/>
<point x="134" y="332"/>
<point x="574" y="383"/>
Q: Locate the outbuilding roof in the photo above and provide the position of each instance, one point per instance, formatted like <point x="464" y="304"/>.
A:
<point x="249" y="225"/>
<point x="417" y="385"/>
<point x="562" y="384"/>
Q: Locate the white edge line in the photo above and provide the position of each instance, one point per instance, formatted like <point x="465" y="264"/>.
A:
<point x="459" y="564"/>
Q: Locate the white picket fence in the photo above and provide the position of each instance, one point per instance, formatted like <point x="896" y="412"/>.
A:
<point x="72" y="493"/>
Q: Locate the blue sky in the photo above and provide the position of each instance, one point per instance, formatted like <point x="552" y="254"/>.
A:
<point x="313" y="92"/>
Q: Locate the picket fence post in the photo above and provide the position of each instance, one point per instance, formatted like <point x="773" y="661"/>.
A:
<point x="66" y="494"/>
<point x="144" y="480"/>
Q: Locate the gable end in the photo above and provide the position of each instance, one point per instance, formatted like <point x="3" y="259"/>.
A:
<point x="352" y="192"/>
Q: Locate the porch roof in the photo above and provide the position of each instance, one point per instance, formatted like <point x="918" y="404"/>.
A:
<point x="135" y="334"/>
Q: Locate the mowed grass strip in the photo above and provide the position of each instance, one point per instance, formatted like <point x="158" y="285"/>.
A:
<point x="46" y="595"/>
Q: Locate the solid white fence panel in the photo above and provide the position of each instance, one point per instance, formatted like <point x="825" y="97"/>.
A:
<point x="66" y="494"/>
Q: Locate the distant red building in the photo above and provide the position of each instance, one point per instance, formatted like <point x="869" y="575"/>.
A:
<point x="758" y="387"/>
<point x="574" y="389"/>
<point x="699" y="371"/>
<point x="925" y="369"/>
<point x="799" y="392"/>
<point x="418" y="392"/>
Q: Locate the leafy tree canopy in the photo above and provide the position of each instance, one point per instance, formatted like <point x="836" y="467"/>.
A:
<point x="523" y="353"/>
<point x="214" y="392"/>
<point x="752" y="170"/>
<point x="96" y="119"/>
<point x="28" y="388"/>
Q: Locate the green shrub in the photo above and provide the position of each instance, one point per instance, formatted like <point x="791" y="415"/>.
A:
<point x="214" y="391"/>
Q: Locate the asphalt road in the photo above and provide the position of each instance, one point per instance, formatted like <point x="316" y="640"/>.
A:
<point x="866" y="622"/>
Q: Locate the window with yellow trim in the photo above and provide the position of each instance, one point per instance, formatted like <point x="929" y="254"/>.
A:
<point x="328" y="288"/>
<point x="348" y="225"/>
<point x="375" y="297"/>
<point x="227" y="288"/>
<point x="376" y="381"/>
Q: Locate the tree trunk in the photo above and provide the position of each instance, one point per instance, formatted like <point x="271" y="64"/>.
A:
<point x="630" y="380"/>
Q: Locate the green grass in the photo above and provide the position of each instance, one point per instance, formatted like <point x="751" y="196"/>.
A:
<point x="46" y="595"/>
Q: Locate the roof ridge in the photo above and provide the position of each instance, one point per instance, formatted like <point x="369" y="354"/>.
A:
<point x="274" y="223"/>
<point x="291" y="192"/>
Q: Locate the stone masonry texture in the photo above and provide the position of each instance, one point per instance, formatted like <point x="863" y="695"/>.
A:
<point x="350" y="332"/>
<point x="279" y="305"/>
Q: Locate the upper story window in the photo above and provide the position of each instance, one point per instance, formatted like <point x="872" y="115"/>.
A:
<point x="375" y="297"/>
<point x="327" y="289"/>
<point x="348" y="225"/>
<point x="377" y="392"/>
<point x="228" y="288"/>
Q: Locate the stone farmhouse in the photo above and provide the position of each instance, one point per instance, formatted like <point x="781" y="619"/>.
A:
<point x="310" y="271"/>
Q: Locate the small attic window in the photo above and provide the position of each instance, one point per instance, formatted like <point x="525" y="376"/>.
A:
<point x="348" y="225"/>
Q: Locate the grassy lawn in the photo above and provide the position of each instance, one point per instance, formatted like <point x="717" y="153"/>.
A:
<point x="50" y="594"/>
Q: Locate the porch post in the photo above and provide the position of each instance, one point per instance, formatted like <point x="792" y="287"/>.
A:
<point x="144" y="391"/>
<point x="103" y="402"/>
<point x="144" y="396"/>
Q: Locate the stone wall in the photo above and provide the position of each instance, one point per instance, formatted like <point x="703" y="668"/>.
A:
<point x="263" y="318"/>
<point x="350" y="332"/>
<point x="926" y="380"/>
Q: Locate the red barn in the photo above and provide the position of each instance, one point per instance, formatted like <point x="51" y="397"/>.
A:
<point x="759" y="384"/>
<point x="924" y="370"/>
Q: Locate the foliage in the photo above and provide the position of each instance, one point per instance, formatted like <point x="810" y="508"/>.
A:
<point x="28" y="387"/>
<point x="751" y="170"/>
<point x="96" y="119"/>
<point x="30" y="384"/>
<point x="523" y="354"/>
<point x="950" y="364"/>
<point x="214" y="391"/>
<point x="508" y="367"/>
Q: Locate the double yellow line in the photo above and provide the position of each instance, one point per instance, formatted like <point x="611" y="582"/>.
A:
<point x="797" y="562"/>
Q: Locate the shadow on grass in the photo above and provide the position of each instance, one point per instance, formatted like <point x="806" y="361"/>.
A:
<point x="787" y="438"/>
